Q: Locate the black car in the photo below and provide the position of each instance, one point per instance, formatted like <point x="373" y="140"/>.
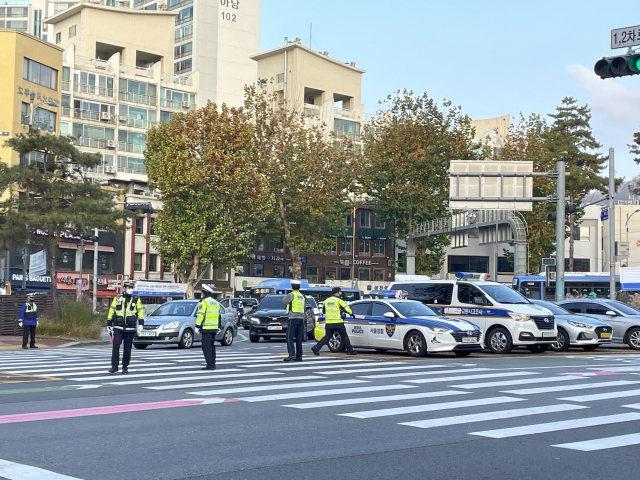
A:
<point x="270" y="320"/>
<point x="248" y="305"/>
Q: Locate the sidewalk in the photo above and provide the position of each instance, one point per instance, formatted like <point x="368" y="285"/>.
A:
<point x="14" y="342"/>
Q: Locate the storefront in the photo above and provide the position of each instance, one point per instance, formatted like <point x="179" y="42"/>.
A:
<point x="35" y="283"/>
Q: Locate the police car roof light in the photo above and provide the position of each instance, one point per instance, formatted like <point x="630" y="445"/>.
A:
<point x="472" y="276"/>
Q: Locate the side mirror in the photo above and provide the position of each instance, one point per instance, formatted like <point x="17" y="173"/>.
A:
<point x="389" y="315"/>
<point x="611" y="313"/>
<point x="479" y="301"/>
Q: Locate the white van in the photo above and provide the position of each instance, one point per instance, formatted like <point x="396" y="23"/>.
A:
<point x="507" y="318"/>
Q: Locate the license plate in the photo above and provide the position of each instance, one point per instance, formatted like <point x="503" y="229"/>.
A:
<point x="147" y="334"/>
<point x="605" y="335"/>
<point x="274" y="327"/>
<point x="548" y="334"/>
<point x="468" y="340"/>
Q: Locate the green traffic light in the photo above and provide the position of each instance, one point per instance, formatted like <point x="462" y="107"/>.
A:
<point x="634" y="63"/>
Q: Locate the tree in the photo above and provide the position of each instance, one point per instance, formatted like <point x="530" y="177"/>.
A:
<point x="634" y="148"/>
<point x="570" y="138"/>
<point x="50" y="194"/>
<point x="212" y="195"/>
<point x="407" y="159"/>
<point x="308" y="176"/>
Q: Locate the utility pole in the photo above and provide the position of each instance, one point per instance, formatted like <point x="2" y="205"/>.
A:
<point x="95" y="271"/>
<point x="560" y="231"/>
<point x="612" y="228"/>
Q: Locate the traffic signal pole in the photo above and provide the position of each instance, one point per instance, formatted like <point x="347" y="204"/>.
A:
<point x="612" y="228"/>
<point x="560" y="231"/>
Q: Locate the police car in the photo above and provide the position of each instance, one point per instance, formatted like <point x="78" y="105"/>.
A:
<point x="394" y="324"/>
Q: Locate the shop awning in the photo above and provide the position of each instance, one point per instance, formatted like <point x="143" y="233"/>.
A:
<point x="68" y="245"/>
<point x="380" y="235"/>
<point x="106" y="248"/>
<point x="366" y="233"/>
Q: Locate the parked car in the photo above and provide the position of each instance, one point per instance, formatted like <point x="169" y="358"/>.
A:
<point x="271" y="320"/>
<point x="624" y="319"/>
<point x="386" y="324"/>
<point x="576" y="330"/>
<point x="248" y="304"/>
<point x="175" y="323"/>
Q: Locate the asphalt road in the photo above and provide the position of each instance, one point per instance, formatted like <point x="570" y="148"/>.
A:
<point x="525" y="416"/>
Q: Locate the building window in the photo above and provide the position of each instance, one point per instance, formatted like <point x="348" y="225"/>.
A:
<point x="345" y="274"/>
<point x="72" y="31"/>
<point x="165" y="116"/>
<point x="364" y="247"/>
<point x="363" y="274"/>
<point x="139" y="225"/>
<point x="333" y="249"/>
<point x="378" y="248"/>
<point x="345" y="246"/>
<point x="242" y="269"/>
<point x="258" y="270"/>
<point x="582" y="234"/>
<point x="278" y="246"/>
<point x="153" y="262"/>
<point x="365" y="218"/>
<point x="468" y="264"/>
<point x="137" y="262"/>
<point x="379" y="223"/>
<point x="349" y="220"/>
<point x="221" y="274"/>
<point x="40" y="74"/>
<point x="24" y="113"/>
<point x="58" y="37"/>
<point x="151" y="227"/>
<point x="44" y="120"/>
<point x="378" y="274"/>
<point x="330" y="273"/>
<point x="278" y="271"/>
<point x="504" y="266"/>
<point x="579" y="265"/>
<point x="312" y="274"/>
<point x="259" y="245"/>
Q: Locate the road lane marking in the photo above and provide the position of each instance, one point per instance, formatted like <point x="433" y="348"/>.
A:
<point x="358" y="363"/>
<point x="558" y="426"/>
<point x="386" y="398"/>
<point x="18" y="471"/>
<point x="387" y="412"/>
<point x="145" y="375"/>
<point x="438" y="372"/>
<point x="420" y="381"/>
<point x="384" y="369"/>
<point x="235" y="382"/>
<point x="198" y="377"/>
<point x="602" y="443"/>
<point x="517" y="382"/>
<point x="602" y="396"/>
<point x="265" y="388"/>
<point x="499" y="415"/>
<point x="321" y="393"/>
<point x="563" y="388"/>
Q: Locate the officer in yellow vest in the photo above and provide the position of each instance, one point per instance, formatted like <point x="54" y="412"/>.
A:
<point x="208" y="322"/>
<point x="333" y="308"/>
<point x="126" y="315"/>
<point x="295" y="304"/>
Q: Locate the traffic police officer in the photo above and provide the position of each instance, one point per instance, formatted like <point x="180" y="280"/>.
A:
<point x="28" y="319"/>
<point x="295" y="303"/>
<point x="208" y="321"/>
<point x="333" y="307"/>
<point x="125" y="311"/>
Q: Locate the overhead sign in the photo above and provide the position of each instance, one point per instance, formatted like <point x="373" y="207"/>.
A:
<point x="38" y="263"/>
<point x="604" y="215"/>
<point x="159" y="289"/>
<point x="625" y="37"/>
<point x="630" y="278"/>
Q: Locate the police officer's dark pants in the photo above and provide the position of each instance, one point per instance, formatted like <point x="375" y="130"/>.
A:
<point x="330" y="329"/>
<point x="121" y="337"/>
<point x="209" y="347"/>
<point x="295" y="331"/>
<point x="28" y="329"/>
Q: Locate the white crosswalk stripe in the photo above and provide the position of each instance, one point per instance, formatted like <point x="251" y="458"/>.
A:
<point x="602" y="443"/>
<point x="564" y="388"/>
<point x="465" y="377"/>
<point x="386" y="398"/>
<point x="602" y="396"/>
<point x="264" y="388"/>
<point x="322" y="393"/>
<point x="211" y="384"/>
<point x="437" y="372"/>
<point x="518" y="382"/>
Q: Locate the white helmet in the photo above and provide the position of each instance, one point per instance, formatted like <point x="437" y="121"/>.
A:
<point x="296" y="282"/>
<point x="208" y="288"/>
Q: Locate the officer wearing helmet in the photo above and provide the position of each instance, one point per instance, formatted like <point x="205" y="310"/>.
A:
<point x="295" y="304"/>
<point x="126" y="315"/>
<point x="208" y="322"/>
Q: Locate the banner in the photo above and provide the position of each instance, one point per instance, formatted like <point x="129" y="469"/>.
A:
<point x="630" y="278"/>
<point x="159" y="289"/>
<point x="38" y="263"/>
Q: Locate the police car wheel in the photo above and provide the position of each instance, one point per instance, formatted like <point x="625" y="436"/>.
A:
<point x="562" y="345"/>
<point x="186" y="341"/>
<point x="415" y="344"/>
<point x="499" y="341"/>
<point x="227" y="338"/>
<point x="335" y="342"/>
<point x="140" y="346"/>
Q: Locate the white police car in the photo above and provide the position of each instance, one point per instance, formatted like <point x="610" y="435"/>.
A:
<point x="393" y="324"/>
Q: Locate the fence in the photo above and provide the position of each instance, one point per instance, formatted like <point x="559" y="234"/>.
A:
<point x="10" y="306"/>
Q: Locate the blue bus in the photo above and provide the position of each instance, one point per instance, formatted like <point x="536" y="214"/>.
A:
<point x="576" y="284"/>
<point x="276" y="286"/>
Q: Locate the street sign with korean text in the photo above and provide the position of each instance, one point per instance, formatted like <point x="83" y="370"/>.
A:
<point x="604" y="215"/>
<point x="625" y="37"/>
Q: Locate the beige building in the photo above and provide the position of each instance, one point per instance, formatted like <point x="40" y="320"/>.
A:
<point x="492" y="131"/>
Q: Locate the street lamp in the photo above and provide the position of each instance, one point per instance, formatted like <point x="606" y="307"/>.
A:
<point x="627" y="223"/>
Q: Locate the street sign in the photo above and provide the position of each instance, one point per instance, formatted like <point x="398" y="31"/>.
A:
<point x="625" y="37"/>
<point x="549" y="262"/>
<point x="604" y="215"/>
<point x="622" y="249"/>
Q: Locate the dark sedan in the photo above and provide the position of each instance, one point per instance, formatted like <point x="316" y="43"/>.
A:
<point x="270" y="320"/>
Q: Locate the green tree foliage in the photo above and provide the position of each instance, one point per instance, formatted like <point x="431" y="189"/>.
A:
<point x="570" y="138"/>
<point x="212" y="195"/>
<point x="51" y="195"/>
<point x="407" y="158"/>
<point x="309" y="176"/>
<point x="634" y="148"/>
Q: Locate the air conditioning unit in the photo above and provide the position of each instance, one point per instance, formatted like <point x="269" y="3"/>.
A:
<point x="186" y="105"/>
<point x="122" y="118"/>
<point x="110" y="169"/>
<point x="111" y="144"/>
<point x="105" y="116"/>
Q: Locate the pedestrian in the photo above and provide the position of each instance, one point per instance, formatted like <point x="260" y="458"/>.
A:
<point x="333" y="309"/>
<point x="126" y="315"/>
<point x="207" y="322"/>
<point x="296" y="304"/>
<point x="240" y="310"/>
<point x="28" y="320"/>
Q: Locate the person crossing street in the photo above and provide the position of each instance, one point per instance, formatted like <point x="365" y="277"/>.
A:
<point x="28" y="320"/>
<point x="208" y="322"/>
<point x="333" y="308"/>
<point x="295" y="303"/>
<point x="126" y="315"/>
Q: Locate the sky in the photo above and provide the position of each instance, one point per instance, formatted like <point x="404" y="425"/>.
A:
<point x="491" y="58"/>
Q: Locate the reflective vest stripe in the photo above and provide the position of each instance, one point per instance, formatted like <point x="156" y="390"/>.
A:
<point x="31" y="311"/>
<point x="297" y="304"/>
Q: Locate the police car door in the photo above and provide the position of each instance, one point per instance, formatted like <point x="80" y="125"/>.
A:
<point x="357" y="327"/>
<point x="383" y="332"/>
<point x="469" y="309"/>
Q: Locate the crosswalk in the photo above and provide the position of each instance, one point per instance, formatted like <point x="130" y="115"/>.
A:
<point x="473" y="398"/>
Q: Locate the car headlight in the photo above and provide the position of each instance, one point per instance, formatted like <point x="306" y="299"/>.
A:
<point x="579" y="324"/>
<point x="254" y="320"/>
<point x="440" y="329"/>
<point x="520" y="317"/>
<point x="171" y="325"/>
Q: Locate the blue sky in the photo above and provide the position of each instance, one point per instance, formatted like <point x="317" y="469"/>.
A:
<point x="492" y="58"/>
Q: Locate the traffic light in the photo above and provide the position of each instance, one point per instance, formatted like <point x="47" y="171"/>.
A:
<point x="619" y="66"/>
<point x="102" y="260"/>
<point x="568" y="210"/>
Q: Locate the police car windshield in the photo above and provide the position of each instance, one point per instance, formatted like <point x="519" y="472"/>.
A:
<point x="272" y="302"/>
<point x="175" y="309"/>
<point x="503" y="294"/>
<point x="413" y="309"/>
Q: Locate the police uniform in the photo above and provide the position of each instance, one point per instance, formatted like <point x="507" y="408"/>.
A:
<point x="208" y="321"/>
<point x="295" y="329"/>
<point x="125" y="313"/>
<point x="333" y="322"/>
<point x="29" y="320"/>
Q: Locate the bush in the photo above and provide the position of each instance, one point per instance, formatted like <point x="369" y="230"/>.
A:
<point x="76" y="320"/>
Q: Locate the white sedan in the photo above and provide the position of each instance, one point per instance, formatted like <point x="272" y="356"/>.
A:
<point x="389" y="324"/>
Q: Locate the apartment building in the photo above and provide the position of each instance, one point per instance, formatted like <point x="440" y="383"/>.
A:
<point x="15" y="16"/>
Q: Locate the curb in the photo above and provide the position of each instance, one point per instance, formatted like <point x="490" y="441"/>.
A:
<point x="84" y="343"/>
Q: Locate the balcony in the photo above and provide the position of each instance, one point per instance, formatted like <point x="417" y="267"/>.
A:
<point x="353" y="136"/>
<point x="137" y="98"/>
<point x="93" y="90"/>
<point x="94" y="143"/>
<point x="165" y="103"/>
<point x="135" y="122"/>
<point x="183" y="20"/>
<point x="182" y="55"/>
<point x="184" y="38"/>
<point x="179" y="4"/>
<point x="175" y="79"/>
<point x="311" y="110"/>
<point x="66" y="85"/>
<point x="131" y="147"/>
<point x="132" y="71"/>
<point x="80" y="61"/>
<point x="66" y="112"/>
<point x="135" y="171"/>
<point x="339" y="112"/>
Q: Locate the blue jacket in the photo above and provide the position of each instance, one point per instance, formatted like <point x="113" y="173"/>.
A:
<point x="28" y="318"/>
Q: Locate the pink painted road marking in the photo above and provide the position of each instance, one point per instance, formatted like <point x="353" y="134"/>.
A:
<point x="87" y="412"/>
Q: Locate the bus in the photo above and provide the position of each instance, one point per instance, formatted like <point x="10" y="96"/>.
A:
<point x="576" y="284"/>
<point x="276" y="286"/>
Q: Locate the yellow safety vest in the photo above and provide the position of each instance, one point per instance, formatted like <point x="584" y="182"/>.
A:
<point x="332" y="312"/>
<point x="208" y="317"/>
<point x="297" y="304"/>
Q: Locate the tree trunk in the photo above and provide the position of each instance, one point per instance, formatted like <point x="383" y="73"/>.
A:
<point x="296" y="267"/>
<point x="571" y="233"/>
<point x="193" y="278"/>
<point x="296" y="257"/>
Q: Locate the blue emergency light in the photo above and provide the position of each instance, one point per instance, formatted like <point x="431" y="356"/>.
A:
<point x="476" y="276"/>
